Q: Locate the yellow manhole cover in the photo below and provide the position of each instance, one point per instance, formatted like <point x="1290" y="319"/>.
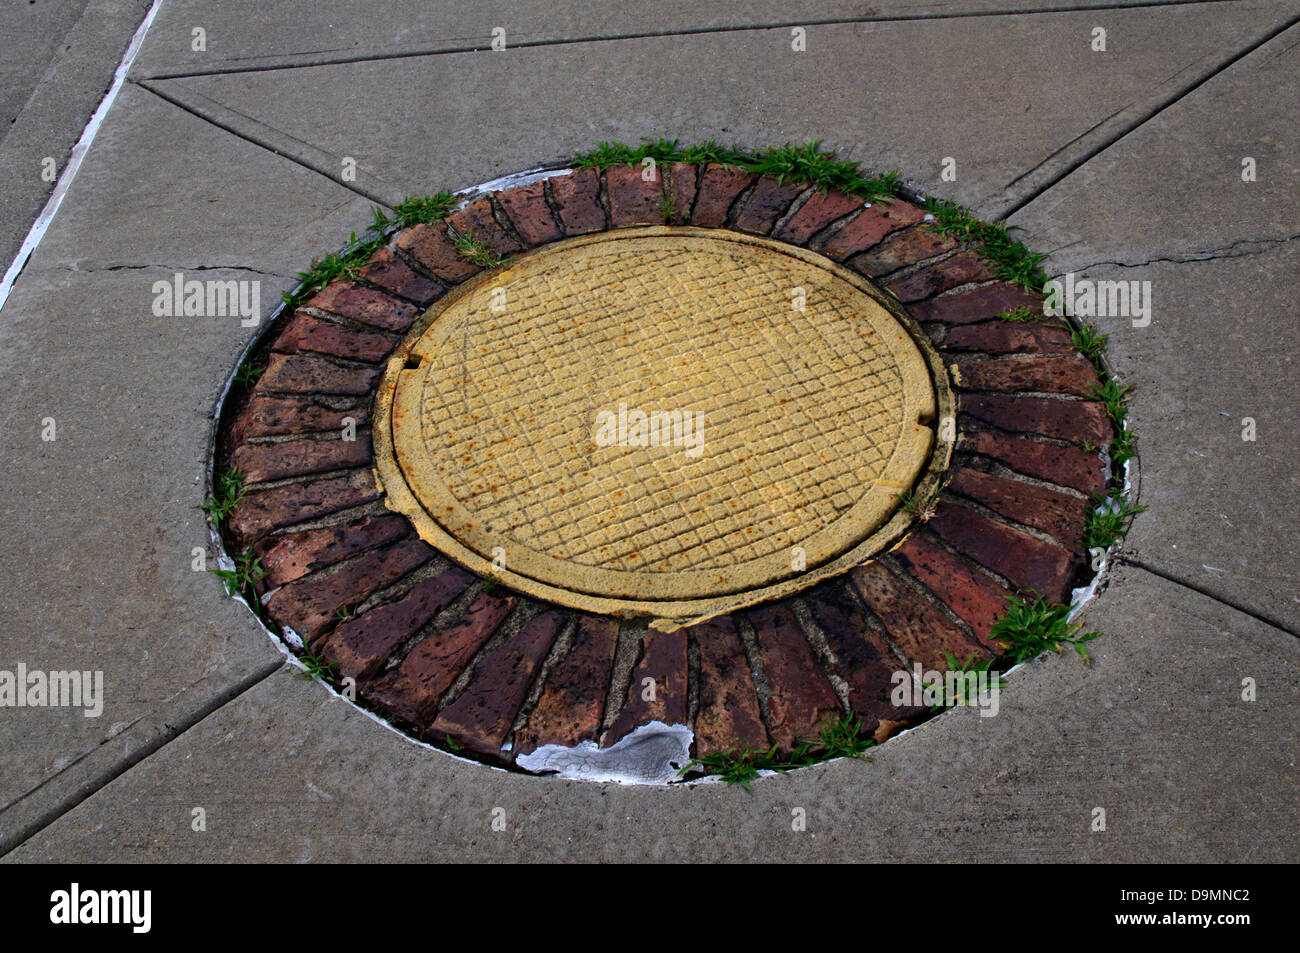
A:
<point x="664" y="421"/>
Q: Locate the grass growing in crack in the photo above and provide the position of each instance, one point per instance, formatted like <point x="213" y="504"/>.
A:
<point x="1088" y="341"/>
<point x="1012" y="262"/>
<point x="421" y="209"/>
<point x="473" y="250"/>
<point x="248" y="373"/>
<point x="490" y="584"/>
<point x="243" y="579"/>
<point x="332" y="266"/>
<point x="1108" y="521"/>
<point x="962" y="688"/>
<point x="1115" y="399"/>
<point x="228" y="490"/>
<point x="1123" y="448"/>
<point x="667" y="209"/>
<point x="918" y="505"/>
<point x="342" y="614"/>
<point x="742" y="765"/>
<point x="1028" y="628"/>
<point x="793" y="162"/>
<point x="316" y="667"/>
<point x="1022" y="313"/>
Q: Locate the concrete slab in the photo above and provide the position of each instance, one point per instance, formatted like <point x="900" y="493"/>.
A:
<point x="1155" y="733"/>
<point x="894" y="95"/>
<point x="100" y="522"/>
<point x="247" y="36"/>
<point x="1167" y="205"/>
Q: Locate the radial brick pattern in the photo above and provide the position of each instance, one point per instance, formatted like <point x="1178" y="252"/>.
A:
<point x="494" y="673"/>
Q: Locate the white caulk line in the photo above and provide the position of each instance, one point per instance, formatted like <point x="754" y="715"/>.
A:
<point x="74" y="161"/>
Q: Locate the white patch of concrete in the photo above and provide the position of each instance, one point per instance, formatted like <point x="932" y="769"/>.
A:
<point x="508" y="182"/>
<point x="652" y="754"/>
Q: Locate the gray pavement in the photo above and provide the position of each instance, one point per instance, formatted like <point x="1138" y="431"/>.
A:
<point x="1124" y="164"/>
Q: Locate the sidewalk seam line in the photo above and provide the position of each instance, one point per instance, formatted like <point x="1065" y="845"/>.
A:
<point x="1255" y="614"/>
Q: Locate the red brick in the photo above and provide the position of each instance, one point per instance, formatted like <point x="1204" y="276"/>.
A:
<point x="821" y="209"/>
<point x="577" y="200"/>
<point x="481" y="716"/>
<point x="526" y="207"/>
<point x="306" y="333"/>
<point x="862" y="658"/>
<point x="283" y="416"/>
<point x="294" y="555"/>
<point x="960" y="269"/>
<point x="870" y="227"/>
<point x="1072" y="420"/>
<point x="1064" y="466"/>
<point x="264" y="510"/>
<point x="260" y="462"/>
<point x="633" y="201"/>
<point x="1026" y="561"/>
<point x="766" y="203"/>
<point x="1063" y="374"/>
<point x="396" y="277"/>
<point x="920" y="629"/>
<point x="1009" y="337"/>
<point x="907" y="247"/>
<point x="728" y="715"/>
<point x="477" y="219"/>
<point x="802" y="699"/>
<point x="309" y="606"/>
<point x="1055" y="513"/>
<point x="977" y="304"/>
<point x="412" y="691"/>
<point x="719" y="187"/>
<point x="682" y="180"/>
<point x="978" y="599"/>
<point x="663" y="658"/>
<point x="305" y="374"/>
<point x="430" y="248"/>
<point x="365" y="305"/>
<point x="571" y="704"/>
<point x="360" y="646"/>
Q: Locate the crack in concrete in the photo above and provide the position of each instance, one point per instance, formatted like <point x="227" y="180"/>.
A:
<point x="1214" y="254"/>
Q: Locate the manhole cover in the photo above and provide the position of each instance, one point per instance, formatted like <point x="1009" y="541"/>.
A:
<point x="662" y="421"/>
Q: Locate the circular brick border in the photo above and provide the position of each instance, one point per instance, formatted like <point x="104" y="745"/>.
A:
<point x="458" y="662"/>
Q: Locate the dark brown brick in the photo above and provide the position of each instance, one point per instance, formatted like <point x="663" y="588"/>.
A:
<point x="633" y="201"/>
<point x="977" y="304"/>
<point x="412" y="691"/>
<point x="283" y="416"/>
<point x="577" y="200"/>
<point x="570" y="707"/>
<point x="663" y="658"/>
<point x="260" y="462"/>
<point x="862" y="658"/>
<point x="870" y="227"/>
<point x="306" y="374"/>
<point x="362" y="645"/>
<point x="1064" y="466"/>
<point x="309" y="606"/>
<point x="821" y="209"/>
<point x="430" y="248"/>
<point x="306" y="333"/>
<point x="1061" y="374"/>
<point x="1009" y="337"/>
<point x="945" y="275"/>
<point x="481" y="716"/>
<point x="975" y="597"/>
<point x="294" y="555"/>
<point x="682" y="180"/>
<point x="264" y="510"/>
<point x="906" y="247"/>
<point x="802" y="698"/>
<point x="719" y="186"/>
<point x="526" y="207"/>
<point x="1055" y="513"/>
<point x="766" y="204"/>
<point x="1026" y="561"/>
<point x="920" y="629"/>
<point x="728" y="715"/>
<point x="1073" y="420"/>
<point x="478" y="220"/>
<point x="396" y="277"/>
<point x="365" y="305"/>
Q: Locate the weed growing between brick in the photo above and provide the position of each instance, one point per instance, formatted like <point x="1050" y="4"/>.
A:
<point x="742" y="765"/>
<point x="1030" y="627"/>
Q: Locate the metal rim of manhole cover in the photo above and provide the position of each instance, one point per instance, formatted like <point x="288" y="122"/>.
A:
<point x="666" y="421"/>
<point x="554" y="666"/>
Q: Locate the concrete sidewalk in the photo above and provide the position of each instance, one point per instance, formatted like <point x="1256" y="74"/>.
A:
<point x="1125" y="164"/>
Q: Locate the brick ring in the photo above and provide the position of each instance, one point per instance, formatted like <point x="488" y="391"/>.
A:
<point x="455" y="657"/>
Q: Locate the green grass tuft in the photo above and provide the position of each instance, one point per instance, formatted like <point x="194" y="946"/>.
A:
<point x="228" y="490"/>
<point x="474" y="251"/>
<point x="1108" y="521"/>
<point x="742" y="765"/>
<point x="1012" y="262"/>
<point x="243" y="579"/>
<point x="1028" y="628"/>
